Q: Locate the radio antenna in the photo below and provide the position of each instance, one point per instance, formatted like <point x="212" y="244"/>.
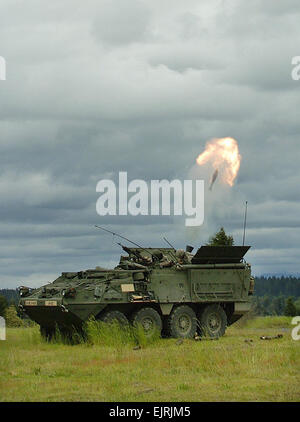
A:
<point x="245" y="222"/>
<point x="128" y="240"/>
<point x="168" y="243"/>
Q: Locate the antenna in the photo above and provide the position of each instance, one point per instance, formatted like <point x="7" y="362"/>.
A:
<point x="173" y="254"/>
<point x="125" y="238"/>
<point x="245" y="222"/>
<point x="168" y="243"/>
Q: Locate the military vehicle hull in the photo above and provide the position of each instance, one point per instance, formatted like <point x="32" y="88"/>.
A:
<point x="178" y="298"/>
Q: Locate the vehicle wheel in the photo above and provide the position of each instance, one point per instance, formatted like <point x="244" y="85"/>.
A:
<point x="47" y="333"/>
<point x="149" y="319"/>
<point x="213" y="321"/>
<point x="182" y="322"/>
<point x="111" y="316"/>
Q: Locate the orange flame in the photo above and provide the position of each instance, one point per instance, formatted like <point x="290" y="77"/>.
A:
<point x="224" y="154"/>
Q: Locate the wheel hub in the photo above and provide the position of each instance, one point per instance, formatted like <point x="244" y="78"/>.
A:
<point x="214" y="322"/>
<point x="147" y="324"/>
<point x="184" y="322"/>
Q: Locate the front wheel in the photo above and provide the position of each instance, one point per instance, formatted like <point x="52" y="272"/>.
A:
<point x="112" y="316"/>
<point x="213" y="321"/>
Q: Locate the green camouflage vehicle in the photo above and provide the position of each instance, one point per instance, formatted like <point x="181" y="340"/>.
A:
<point x="163" y="289"/>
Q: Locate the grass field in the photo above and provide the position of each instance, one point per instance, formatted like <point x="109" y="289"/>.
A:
<point x="228" y="369"/>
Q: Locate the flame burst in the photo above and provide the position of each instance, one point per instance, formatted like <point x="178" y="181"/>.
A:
<point x="224" y="155"/>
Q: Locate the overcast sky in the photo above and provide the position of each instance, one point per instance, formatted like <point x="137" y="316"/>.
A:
<point x="98" y="87"/>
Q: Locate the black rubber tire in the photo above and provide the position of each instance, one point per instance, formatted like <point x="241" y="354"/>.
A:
<point x="182" y="322"/>
<point x="111" y="316"/>
<point x="212" y="321"/>
<point x="149" y="319"/>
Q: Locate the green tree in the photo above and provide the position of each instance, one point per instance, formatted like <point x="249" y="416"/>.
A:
<point x="11" y="317"/>
<point x="221" y="239"/>
<point x="258" y="308"/>
<point x="297" y="304"/>
<point x="290" y="308"/>
<point x="3" y="305"/>
<point x="278" y="305"/>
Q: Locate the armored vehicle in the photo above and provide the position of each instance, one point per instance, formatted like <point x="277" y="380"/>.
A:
<point x="172" y="291"/>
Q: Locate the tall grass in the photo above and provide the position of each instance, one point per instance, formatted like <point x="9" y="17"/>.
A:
<point x="114" y="334"/>
<point x="25" y="336"/>
<point x="71" y="337"/>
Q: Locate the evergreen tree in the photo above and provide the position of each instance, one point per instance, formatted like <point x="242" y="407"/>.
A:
<point x="3" y="305"/>
<point x="297" y="304"/>
<point x="220" y="239"/>
<point x="258" y="308"/>
<point x="290" y="308"/>
<point x="11" y="317"/>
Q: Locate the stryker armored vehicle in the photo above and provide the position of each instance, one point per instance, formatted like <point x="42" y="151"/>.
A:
<point x="162" y="289"/>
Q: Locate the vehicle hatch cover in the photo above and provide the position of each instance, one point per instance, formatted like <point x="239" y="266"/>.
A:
<point x="220" y="254"/>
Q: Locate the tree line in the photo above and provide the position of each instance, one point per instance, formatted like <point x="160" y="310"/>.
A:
<point x="277" y="295"/>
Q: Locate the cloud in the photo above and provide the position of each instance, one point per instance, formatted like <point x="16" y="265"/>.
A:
<point x="122" y="22"/>
<point x="140" y="86"/>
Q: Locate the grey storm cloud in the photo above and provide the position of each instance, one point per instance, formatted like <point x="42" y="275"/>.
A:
<point x="122" y="22"/>
<point x="99" y="87"/>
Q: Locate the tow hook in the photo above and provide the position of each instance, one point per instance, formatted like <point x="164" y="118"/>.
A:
<point x="64" y="309"/>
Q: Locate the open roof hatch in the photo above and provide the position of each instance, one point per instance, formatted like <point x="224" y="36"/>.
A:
<point x="220" y="254"/>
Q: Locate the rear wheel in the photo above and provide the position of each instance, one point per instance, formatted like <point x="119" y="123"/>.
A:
<point x="213" y="321"/>
<point x="111" y="316"/>
<point x="150" y="321"/>
<point x="182" y="322"/>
